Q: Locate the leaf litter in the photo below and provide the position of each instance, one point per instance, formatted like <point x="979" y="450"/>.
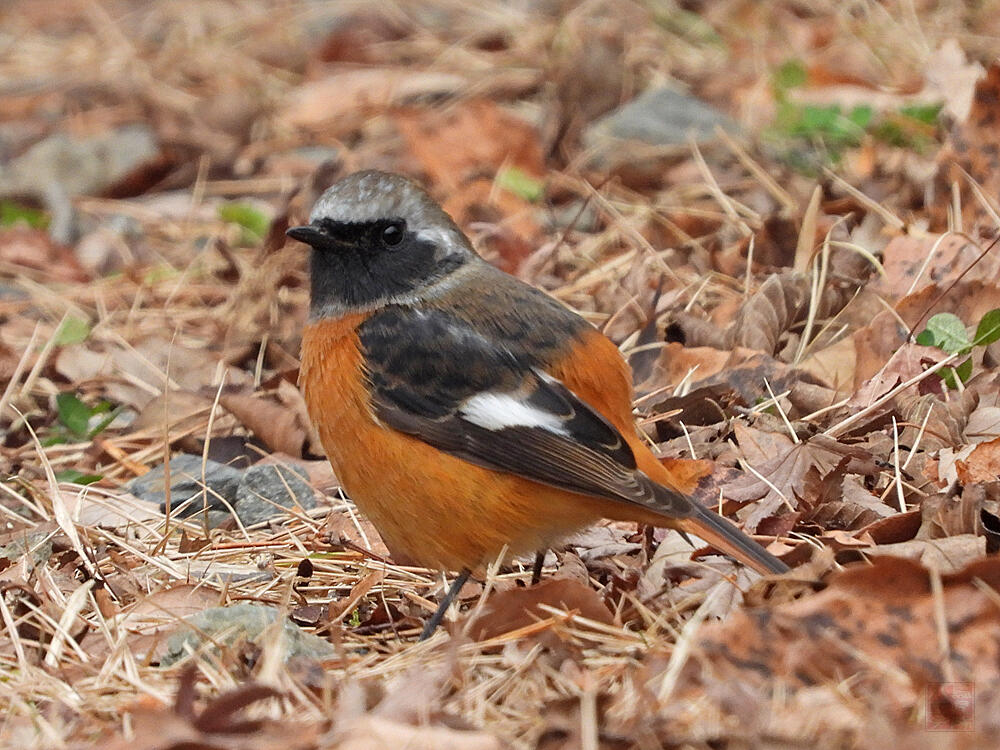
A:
<point x="810" y="307"/>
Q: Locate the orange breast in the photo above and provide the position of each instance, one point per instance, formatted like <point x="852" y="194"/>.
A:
<point x="430" y="508"/>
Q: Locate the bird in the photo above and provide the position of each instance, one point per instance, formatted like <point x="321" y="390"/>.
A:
<point x="464" y="411"/>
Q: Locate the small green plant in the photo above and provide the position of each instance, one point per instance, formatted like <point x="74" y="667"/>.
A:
<point x="78" y="422"/>
<point x="521" y="184"/>
<point x="818" y="133"/>
<point x="947" y="332"/>
<point x="77" y="477"/>
<point x="253" y="223"/>
<point x="72" y="331"/>
<point x="12" y="214"/>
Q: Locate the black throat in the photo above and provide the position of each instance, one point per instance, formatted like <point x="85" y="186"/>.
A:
<point x="352" y="267"/>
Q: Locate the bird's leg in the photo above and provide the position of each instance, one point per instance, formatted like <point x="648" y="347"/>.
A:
<point x="536" y="569"/>
<point x="432" y="624"/>
<point x="648" y="541"/>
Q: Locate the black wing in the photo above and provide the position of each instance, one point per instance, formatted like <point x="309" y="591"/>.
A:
<point x="486" y="399"/>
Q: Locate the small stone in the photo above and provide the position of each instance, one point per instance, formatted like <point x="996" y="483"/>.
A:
<point x="186" y="485"/>
<point x="660" y="117"/>
<point x="78" y="166"/>
<point x="38" y="543"/>
<point x="243" y="623"/>
<point x="265" y="491"/>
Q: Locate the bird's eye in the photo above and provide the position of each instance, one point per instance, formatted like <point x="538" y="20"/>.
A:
<point x="392" y="234"/>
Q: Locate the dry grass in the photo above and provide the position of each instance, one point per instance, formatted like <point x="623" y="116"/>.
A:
<point x="192" y="311"/>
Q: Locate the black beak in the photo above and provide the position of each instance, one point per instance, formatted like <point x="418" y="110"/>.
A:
<point x="308" y="234"/>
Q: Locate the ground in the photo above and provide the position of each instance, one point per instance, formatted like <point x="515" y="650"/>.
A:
<point x="784" y="215"/>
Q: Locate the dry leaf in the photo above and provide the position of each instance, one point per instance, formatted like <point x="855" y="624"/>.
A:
<point x="34" y="250"/>
<point x="982" y="465"/>
<point x="462" y="143"/>
<point x="785" y="479"/>
<point x="337" y="103"/>
<point x="278" y="426"/>
<point x="912" y="262"/>
<point x="516" y="608"/>
<point x="971" y="156"/>
<point x="375" y="733"/>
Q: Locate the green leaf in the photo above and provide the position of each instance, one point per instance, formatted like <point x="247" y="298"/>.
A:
<point x="12" y="213"/>
<point x="988" y="330"/>
<point x="790" y="75"/>
<point x="947" y="332"/>
<point x="156" y="274"/>
<point x="103" y="424"/>
<point x="73" y="414"/>
<point x="925" y="113"/>
<point x="964" y="370"/>
<point x="521" y="184"/>
<point x="817" y="120"/>
<point x="861" y="115"/>
<point x="77" y="477"/>
<point x="72" y="331"/>
<point x="255" y="224"/>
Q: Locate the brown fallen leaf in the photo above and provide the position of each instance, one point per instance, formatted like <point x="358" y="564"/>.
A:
<point x="741" y="371"/>
<point x="971" y="153"/>
<point x="868" y="618"/>
<point x="219" y="724"/>
<point x="900" y="527"/>
<point x="984" y="419"/>
<point x="833" y="365"/>
<point x="178" y="412"/>
<point x="462" y="148"/>
<point x="907" y="362"/>
<point x="856" y="507"/>
<point x="460" y="143"/>
<point x="278" y="426"/>
<point x="516" y="608"/>
<point x="982" y="465"/>
<point x="947" y="555"/>
<point x="33" y="250"/>
<point x="376" y="733"/>
<point x="150" y="619"/>
<point x="687" y="473"/>
<point x="354" y="532"/>
<point x="338" y="102"/>
<point x="785" y="479"/>
<point x="911" y="262"/>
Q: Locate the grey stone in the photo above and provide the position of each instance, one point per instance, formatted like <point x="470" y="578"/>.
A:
<point x="78" y="166"/>
<point x="11" y="292"/>
<point x="660" y="117"/>
<point x="221" y="482"/>
<point x="230" y="626"/>
<point x="317" y="155"/>
<point x="266" y="489"/>
<point x="38" y="543"/>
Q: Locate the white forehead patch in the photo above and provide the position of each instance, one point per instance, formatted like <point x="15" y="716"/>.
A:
<point x="370" y="196"/>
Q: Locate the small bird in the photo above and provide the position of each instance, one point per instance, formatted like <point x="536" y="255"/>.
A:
<point x="462" y="409"/>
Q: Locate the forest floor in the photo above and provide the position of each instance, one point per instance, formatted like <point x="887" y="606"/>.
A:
<point x="783" y="214"/>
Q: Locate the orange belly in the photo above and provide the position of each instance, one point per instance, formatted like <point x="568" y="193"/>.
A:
<point x="431" y="508"/>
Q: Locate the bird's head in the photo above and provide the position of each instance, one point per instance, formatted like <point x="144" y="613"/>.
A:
<point x="378" y="238"/>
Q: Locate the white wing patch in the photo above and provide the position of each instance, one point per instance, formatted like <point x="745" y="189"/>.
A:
<point x="495" y="411"/>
